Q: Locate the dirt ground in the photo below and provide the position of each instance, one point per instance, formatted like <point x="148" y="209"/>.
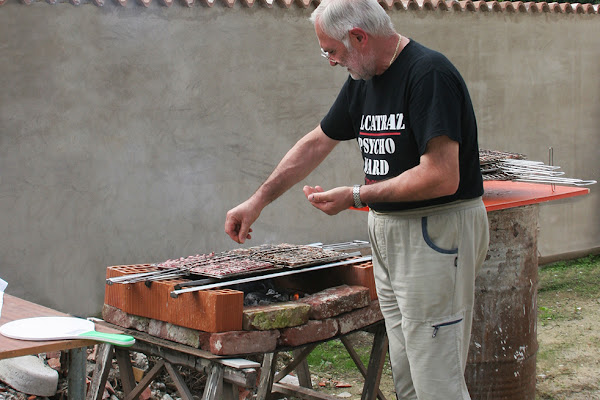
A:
<point x="568" y="361"/>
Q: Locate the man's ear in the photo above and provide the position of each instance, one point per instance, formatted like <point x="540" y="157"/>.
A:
<point x="358" y="37"/>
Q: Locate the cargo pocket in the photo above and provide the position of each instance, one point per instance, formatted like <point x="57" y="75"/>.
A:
<point x="437" y="326"/>
<point x="434" y="349"/>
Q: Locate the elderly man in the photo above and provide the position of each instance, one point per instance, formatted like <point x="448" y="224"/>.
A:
<point x="410" y="112"/>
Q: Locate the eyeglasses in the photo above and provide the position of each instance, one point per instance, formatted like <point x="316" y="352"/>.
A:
<point x="327" y="56"/>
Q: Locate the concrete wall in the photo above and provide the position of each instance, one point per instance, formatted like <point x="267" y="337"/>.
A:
<point x="126" y="133"/>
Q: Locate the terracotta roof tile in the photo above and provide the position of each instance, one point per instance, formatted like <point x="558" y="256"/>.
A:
<point x="404" y="5"/>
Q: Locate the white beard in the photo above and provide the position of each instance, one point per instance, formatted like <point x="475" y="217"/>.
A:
<point x="365" y="66"/>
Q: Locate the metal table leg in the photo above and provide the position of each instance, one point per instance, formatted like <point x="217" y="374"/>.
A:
<point x="77" y="373"/>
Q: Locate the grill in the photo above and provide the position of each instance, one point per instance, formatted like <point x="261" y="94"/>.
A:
<point x="206" y="293"/>
<point x="236" y="263"/>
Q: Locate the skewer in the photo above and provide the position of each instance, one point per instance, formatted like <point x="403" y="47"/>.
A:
<point x="554" y="181"/>
<point x="206" y="259"/>
<point x="135" y="277"/>
<point x="551" y="162"/>
<point x="176" y="293"/>
<point x="538" y="172"/>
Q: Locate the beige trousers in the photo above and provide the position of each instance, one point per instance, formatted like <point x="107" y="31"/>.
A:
<point x="425" y="262"/>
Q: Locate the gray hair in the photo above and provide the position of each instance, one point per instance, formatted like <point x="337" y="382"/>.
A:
<point x="337" y="17"/>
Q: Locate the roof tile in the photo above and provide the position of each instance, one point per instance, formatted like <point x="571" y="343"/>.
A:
<point x="404" y="5"/>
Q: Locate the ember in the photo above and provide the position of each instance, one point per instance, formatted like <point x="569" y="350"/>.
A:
<point x="265" y="292"/>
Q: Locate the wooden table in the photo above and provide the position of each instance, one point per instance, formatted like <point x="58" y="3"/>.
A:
<point x="15" y="308"/>
<point x="225" y="375"/>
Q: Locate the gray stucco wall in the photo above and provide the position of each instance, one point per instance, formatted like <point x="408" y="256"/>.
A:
<point x="126" y="133"/>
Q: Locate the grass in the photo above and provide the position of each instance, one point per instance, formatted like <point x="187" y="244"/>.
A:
<point x="568" y="303"/>
<point x="580" y="277"/>
<point x="562" y="284"/>
<point x="332" y="357"/>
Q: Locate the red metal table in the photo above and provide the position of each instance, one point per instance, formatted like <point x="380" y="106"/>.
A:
<point x="500" y="195"/>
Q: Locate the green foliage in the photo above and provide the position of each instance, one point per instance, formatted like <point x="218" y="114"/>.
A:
<point x="580" y="277"/>
<point x="332" y="356"/>
<point x="564" y="285"/>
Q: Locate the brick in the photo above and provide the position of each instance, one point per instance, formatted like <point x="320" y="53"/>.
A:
<point x="337" y="300"/>
<point x="359" y="318"/>
<point x="275" y="316"/>
<point x="174" y="333"/>
<point x="312" y="331"/>
<point x="121" y="318"/>
<point x="206" y="310"/>
<point x="360" y="274"/>
<point x="243" y="342"/>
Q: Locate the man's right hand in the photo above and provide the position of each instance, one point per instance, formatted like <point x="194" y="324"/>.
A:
<point x="239" y="221"/>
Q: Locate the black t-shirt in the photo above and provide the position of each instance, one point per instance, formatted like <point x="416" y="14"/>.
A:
<point x="393" y="116"/>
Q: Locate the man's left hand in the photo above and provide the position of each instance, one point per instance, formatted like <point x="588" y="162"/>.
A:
<point x="332" y="201"/>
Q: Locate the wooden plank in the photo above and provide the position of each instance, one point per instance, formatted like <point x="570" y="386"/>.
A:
<point x="376" y="361"/>
<point x="239" y="363"/>
<point x="179" y="354"/>
<point x="230" y="391"/>
<point x="214" y="384"/>
<point x="137" y="390"/>
<point x="182" y="388"/>
<point x="269" y="366"/>
<point x="358" y="362"/>
<point x="299" y="357"/>
<point x="301" y="393"/>
<point x="162" y="343"/>
<point x="125" y="370"/>
<point x="302" y="370"/>
<point x="244" y="377"/>
<point x="100" y="375"/>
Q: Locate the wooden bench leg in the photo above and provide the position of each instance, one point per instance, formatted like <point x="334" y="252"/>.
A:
<point x="182" y="388"/>
<point x="214" y="384"/>
<point x="125" y="370"/>
<point x="104" y="357"/>
<point x="358" y="362"/>
<point x="302" y="370"/>
<point x="299" y="364"/>
<point x="267" y="371"/>
<point x="376" y="361"/>
<point x="137" y="390"/>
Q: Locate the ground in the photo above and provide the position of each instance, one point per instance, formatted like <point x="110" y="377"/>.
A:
<point x="568" y="362"/>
